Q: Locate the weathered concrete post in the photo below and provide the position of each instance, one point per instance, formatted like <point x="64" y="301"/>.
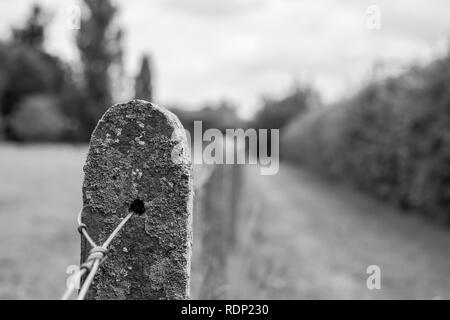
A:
<point x="129" y="167"/>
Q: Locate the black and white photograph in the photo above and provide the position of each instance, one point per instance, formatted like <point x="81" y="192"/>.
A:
<point x="239" y="150"/>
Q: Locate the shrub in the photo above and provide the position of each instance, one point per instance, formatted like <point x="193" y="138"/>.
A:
<point x="392" y="140"/>
<point x="37" y="118"/>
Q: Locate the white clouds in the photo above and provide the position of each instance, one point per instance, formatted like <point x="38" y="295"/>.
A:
<point x="210" y="49"/>
<point x="212" y="9"/>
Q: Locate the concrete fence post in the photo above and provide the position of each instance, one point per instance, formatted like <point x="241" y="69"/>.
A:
<point x="129" y="167"/>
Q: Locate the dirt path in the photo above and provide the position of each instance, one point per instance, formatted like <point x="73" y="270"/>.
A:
<point x="312" y="239"/>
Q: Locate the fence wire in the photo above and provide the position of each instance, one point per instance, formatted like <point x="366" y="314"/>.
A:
<point x="96" y="257"/>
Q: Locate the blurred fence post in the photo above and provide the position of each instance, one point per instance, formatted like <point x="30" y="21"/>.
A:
<point x="215" y="234"/>
<point x="129" y="167"/>
<point x="217" y="225"/>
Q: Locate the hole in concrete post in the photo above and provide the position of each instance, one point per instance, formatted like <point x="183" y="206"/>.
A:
<point x="137" y="206"/>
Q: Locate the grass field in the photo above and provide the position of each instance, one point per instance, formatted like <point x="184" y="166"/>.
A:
<point x="40" y="195"/>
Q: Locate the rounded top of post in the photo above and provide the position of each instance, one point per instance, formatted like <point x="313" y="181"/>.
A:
<point x="133" y="144"/>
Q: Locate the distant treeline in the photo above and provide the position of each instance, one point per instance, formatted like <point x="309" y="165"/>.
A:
<point x="220" y="116"/>
<point x="273" y="113"/>
<point x="392" y="139"/>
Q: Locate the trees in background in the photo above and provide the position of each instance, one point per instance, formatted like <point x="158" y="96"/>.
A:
<point x="35" y="84"/>
<point x="221" y="115"/>
<point x="27" y="70"/>
<point x="143" y="86"/>
<point x="277" y="113"/>
<point x="100" y="45"/>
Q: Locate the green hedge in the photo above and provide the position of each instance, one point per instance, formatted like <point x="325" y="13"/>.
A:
<point x="392" y="139"/>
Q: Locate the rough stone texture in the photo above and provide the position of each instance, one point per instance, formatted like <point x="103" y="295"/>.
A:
<point x="129" y="160"/>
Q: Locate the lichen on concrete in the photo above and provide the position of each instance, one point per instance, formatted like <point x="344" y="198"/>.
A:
<point x="129" y="160"/>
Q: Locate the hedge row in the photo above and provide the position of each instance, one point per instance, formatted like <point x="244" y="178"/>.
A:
<point x="392" y="139"/>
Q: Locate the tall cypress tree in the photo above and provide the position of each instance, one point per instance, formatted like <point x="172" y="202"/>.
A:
<point x="143" y="88"/>
<point x="100" y="48"/>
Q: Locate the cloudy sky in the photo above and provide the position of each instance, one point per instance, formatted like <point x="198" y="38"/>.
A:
<point x="206" y="50"/>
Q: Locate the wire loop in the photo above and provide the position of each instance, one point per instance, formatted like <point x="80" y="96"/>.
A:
<point x="81" y="227"/>
<point x="95" y="258"/>
<point x="97" y="253"/>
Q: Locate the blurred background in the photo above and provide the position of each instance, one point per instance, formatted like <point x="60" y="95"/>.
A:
<point x="359" y="90"/>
